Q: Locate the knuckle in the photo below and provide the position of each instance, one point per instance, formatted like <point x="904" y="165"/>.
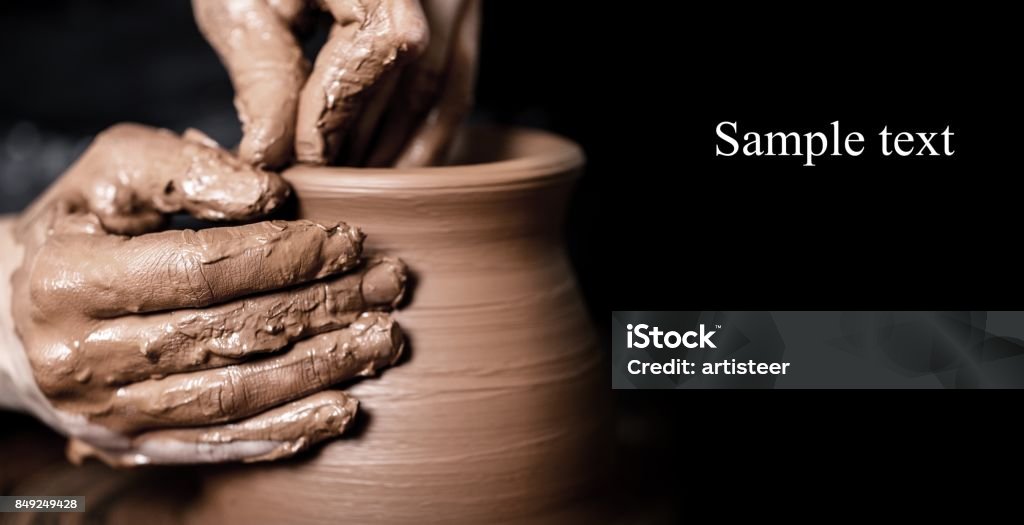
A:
<point x="409" y="38"/>
<point x="189" y="263"/>
<point x="116" y="133"/>
<point x="333" y="398"/>
<point x="41" y="298"/>
<point x="56" y="368"/>
<point x="47" y="283"/>
<point x="228" y="394"/>
<point x="313" y="371"/>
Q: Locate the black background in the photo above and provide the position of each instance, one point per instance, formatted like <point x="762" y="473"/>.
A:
<point x="660" y="223"/>
<point x="868" y="232"/>
<point x="704" y="233"/>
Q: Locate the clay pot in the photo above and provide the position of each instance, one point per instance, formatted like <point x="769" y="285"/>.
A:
<point x="499" y="411"/>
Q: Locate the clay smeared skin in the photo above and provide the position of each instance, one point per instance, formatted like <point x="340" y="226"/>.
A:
<point x="124" y="334"/>
<point x="368" y="83"/>
<point x="435" y="92"/>
<point x="255" y="42"/>
<point x="148" y="346"/>
<point x="492" y="417"/>
<point x="276" y="433"/>
<point x="215" y="396"/>
<point x="131" y="176"/>
<point x="369" y="38"/>
<point x="127" y="349"/>
<point x="200" y="268"/>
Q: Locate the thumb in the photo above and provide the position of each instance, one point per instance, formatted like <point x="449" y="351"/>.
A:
<point x="267" y="69"/>
<point x="132" y="175"/>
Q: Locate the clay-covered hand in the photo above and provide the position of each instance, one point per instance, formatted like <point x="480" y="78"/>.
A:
<point x="390" y="85"/>
<point x="180" y="345"/>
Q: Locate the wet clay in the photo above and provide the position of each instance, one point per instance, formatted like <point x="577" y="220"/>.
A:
<point x="132" y="176"/>
<point x="221" y="394"/>
<point x="369" y="38"/>
<point x="127" y="334"/>
<point x="436" y="91"/>
<point x="367" y="84"/>
<point x="274" y="434"/>
<point x="494" y="415"/>
<point x="254" y="40"/>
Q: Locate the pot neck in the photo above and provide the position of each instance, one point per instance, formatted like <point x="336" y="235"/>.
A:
<point x="520" y="194"/>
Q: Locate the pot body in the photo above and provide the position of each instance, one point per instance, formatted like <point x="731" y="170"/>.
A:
<point x="498" y="412"/>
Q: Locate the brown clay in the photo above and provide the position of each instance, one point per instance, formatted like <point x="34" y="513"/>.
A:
<point x="367" y="84"/>
<point x="126" y="334"/>
<point x="434" y="93"/>
<point x="496" y="413"/>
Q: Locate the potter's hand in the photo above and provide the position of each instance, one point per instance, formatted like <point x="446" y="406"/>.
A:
<point x="147" y="348"/>
<point x="368" y="99"/>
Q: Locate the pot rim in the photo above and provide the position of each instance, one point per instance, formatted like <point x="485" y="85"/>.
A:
<point x="538" y="157"/>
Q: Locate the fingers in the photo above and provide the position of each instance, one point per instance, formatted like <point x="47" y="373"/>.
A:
<point x="182" y="339"/>
<point x="274" y="434"/>
<point x="436" y="90"/>
<point x="365" y="129"/>
<point x="136" y="348"/>
<point x="254" y="41"/>
<point x="368" y="39"/>
<point x="432" y="139"/>
<point x="131" y="175"/>
<point x="224" y="394"/>
<point x="107" y="276"/>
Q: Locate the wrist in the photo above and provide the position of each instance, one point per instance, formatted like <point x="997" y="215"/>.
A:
<point x="10" y="259"/>
<point x="18" y="389"/>
<point x="10" y="255"/>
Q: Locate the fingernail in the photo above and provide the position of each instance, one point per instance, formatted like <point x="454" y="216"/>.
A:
<point x="384" y="283"/>
<point x="378" y="335"/>
<point x="331" y="419"/>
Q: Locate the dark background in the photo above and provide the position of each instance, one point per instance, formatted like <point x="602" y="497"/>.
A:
<point x="872" y="233"/>
<point x="659" y="222"/>
<point x="73" y="68"/>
